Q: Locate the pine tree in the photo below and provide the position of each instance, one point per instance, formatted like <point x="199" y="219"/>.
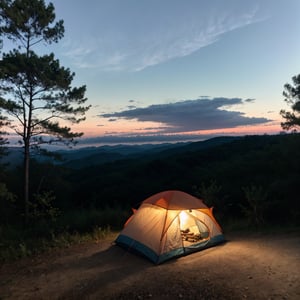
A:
<point x="292" y="97"/>
<point x="36" y="90"/>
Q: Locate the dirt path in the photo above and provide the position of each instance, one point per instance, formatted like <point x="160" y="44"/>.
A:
<point x="255" y="267"/>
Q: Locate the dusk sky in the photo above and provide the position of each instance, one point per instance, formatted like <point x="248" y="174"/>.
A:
<point x="161" y="70"/>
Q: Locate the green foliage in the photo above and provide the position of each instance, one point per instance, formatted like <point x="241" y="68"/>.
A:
<point x="66" y="238"/>
<point x="88" y="219"/>
<point x="256" y="198"/>
<point x="72" y="228"/>
<point x="292" y="98"/>
<point x="15" y="244"/>
<point x="41" y="208"/>
<point x="7" y="204"/>
<point x="209" y="193"/>
<point x="51" y="97"/>
<point x="29" y="22"/>
<point x="100" y="233"/>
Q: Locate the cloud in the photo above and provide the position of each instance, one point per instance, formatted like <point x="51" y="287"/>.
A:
<point x="191" y="115"/>
<point x="153" y="128"/>
<point x="131" y="106"/>
<point x="152" y="33"/>
<point x="250" y="100"/>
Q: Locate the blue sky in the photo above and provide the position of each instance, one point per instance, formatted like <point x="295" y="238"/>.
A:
<point x="197" y="68"/>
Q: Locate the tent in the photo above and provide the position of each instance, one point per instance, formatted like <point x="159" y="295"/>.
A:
<point x="170" y="224"/>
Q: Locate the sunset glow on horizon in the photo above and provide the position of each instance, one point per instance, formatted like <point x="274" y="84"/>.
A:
<point x="92" y="128"/>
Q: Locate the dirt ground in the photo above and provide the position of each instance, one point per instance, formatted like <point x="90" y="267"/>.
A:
<point x="245" y="267"/>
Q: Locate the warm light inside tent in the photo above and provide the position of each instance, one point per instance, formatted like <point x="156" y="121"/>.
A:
<point x="170" y="224"/>
<point x="183" y="217"/>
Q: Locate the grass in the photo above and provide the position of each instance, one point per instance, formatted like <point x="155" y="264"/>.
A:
<point x="12" y="249"/>
<point x="73" y="227"/>
<point x="87" y="220"/>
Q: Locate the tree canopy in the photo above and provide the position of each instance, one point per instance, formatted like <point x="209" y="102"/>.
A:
<point x="292" y="98"/>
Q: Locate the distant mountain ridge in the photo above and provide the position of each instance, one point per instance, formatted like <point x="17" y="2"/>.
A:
<point x="84" y="157"/>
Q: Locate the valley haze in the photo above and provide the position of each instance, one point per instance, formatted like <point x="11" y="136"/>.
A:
<point x="83" y="156"/>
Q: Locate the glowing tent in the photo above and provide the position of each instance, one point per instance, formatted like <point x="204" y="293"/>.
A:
<point x="170" y="224"/>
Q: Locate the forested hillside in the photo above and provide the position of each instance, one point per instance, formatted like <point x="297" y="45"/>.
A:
<point x="267" y="165"/>
<point x="252" y="178"/>
<point x="270" y="162"/>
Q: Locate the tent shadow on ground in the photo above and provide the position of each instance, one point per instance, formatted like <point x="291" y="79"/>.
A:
<point x="105" y="268"/>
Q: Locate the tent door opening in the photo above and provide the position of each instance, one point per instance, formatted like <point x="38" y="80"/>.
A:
<point x="192" y="229"/>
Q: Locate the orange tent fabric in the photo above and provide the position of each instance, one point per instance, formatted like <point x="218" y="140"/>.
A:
<point x="170" y="224"/>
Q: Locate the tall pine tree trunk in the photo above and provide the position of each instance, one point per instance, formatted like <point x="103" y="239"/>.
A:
<point x="26" y="180"/>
